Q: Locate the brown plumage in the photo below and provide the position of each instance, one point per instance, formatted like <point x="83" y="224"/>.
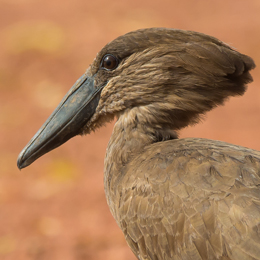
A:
<point x="173" y="198"/>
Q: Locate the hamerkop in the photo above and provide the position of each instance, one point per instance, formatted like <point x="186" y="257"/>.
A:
<point x="173" y="198"/>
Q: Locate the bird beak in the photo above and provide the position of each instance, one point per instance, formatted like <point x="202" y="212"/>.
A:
<point x="67" y="120"/>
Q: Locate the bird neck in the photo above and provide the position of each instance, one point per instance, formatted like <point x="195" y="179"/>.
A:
<point x="131" y="135"/>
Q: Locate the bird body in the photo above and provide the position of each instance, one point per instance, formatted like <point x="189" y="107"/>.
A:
<point x="173" y="198"/>
<point x="186" y="198"/>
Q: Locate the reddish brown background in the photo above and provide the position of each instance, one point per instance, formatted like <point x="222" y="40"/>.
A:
<point x="56" y="208"/>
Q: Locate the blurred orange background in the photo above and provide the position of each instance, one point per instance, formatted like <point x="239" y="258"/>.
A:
<point x="56" y="208"/>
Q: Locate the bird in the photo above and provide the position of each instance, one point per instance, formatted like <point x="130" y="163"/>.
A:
<point x="173" y="198"/>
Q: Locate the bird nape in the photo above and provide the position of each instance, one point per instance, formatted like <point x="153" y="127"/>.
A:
<point x="173" y="198"/>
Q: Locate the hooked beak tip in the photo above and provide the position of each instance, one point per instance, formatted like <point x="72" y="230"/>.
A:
<point x="20" y="162"/>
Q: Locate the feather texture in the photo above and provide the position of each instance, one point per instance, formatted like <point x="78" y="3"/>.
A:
<point x="178" y="198"/>
<point x="191" y="199"/>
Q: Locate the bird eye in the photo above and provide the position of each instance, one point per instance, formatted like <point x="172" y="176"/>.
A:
<point x="109" y="62"/>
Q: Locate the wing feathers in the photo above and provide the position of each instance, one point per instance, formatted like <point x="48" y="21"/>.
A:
<point x="209" y="207"/>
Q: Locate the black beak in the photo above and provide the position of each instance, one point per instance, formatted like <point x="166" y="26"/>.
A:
<point x="67" y="120"/>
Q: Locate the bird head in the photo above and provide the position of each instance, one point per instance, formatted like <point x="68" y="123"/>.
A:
<point x="169" y="77"/>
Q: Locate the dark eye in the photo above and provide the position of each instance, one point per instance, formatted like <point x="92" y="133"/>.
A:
<point x="109" y="62"/>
